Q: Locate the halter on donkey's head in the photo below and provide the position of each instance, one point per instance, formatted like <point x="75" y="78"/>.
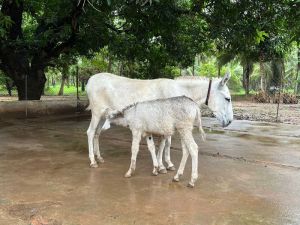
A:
<point x="220" y="104"/>
<point x="208" y="92"/>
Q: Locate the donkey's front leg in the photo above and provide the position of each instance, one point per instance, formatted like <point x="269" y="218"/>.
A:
<point x="151" y="148"/>
<point x="136" y="138"/>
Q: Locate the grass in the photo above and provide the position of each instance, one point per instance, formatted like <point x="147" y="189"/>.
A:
<point x="49" y="91"/>
<point x="68" y="91"/>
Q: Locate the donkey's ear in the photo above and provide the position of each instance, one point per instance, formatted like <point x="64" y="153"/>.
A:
<point x="225" y="79"/>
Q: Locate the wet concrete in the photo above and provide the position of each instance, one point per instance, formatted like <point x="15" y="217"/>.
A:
<point x="249" y="174"/>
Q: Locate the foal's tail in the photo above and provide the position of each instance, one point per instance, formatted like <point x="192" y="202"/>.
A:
<point x="203" y="135"/>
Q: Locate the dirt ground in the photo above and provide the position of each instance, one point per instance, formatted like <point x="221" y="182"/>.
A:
<point x="249" y="174"/>
<point x="267" y="112"/>
<point x="244" y="109"/>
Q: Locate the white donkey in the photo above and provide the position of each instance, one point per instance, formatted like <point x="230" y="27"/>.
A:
<point x="106" y="90"/>
<point x="161" y="117"/>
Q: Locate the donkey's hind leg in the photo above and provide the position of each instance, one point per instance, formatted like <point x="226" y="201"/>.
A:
<point x="91" y="135"/>
<point x="161" y="167"/>
<point x="151" y="148"/>
<point x="99" y="158"/>
<point x="193" y="150"/>
<point x="185" y="155"/>
<point x="167" y="154"/>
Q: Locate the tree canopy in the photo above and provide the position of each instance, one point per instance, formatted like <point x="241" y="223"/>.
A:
<point x="152" y="36"/>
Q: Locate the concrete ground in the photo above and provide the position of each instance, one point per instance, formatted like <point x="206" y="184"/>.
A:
<point x="249" y="174"/>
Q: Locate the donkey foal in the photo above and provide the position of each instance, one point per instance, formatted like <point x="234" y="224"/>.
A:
<point x="161" y="117"/>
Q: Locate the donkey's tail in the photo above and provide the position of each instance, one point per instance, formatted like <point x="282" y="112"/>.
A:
<point x="202" y="133"/>
<point x="87" y="106"/>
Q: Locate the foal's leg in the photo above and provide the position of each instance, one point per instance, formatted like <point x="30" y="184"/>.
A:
<point x="185" y="155"/>
<point x="167" y="154"/>
<point x="151" y="148"/>
<point x="193" y="150"/>
<point x="91" y="134"/>
<point x="136" y="138"/>
<point x="161" y="167"/>
<point x="99" y="158"/>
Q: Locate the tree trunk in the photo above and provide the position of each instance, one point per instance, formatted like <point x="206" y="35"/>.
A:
<point x="31" y="88"/>
<point x="297" y="85"/>
<point x="64" y="76"/>
<point x="263" y="81"/>
<point x="277" y="73"/>
<point x="68" y="81"/>
<point x="53" y="81"/>
<point x="9" y="85"/>
<point x="121" y="68"/>
<point x="62" y="85"/>
<point x="82" y="85"/>
<point x="247" y="70"/>
<point x="194" y="70"/>
<point x="109" y="66"/>
<point x="48" y="82"/>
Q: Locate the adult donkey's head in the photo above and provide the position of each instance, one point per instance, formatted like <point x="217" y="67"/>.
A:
<point x="219" y="100"/>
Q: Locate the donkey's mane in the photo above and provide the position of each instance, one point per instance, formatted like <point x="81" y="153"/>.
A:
<point x="195" y="78"/>
<point x="121" y="113"/>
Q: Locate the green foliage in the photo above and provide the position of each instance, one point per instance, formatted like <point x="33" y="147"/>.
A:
<point x="260" y="36"/>
<point x="68" y="90"/>
<point x="147" y="39"/>
<point x="5" y="23"/>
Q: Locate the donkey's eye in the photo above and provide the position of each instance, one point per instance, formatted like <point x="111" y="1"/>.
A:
<point x="227" y="99"/>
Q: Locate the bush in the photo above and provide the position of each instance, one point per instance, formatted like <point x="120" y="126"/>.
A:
<point x="261" y="97"/>
<point x="289" y="98"/>
<point x="285" y="98"/>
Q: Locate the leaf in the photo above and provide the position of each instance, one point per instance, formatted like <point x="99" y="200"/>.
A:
<point x="260" y="36"/>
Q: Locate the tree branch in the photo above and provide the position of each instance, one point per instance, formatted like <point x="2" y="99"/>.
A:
<point x="13" y="9"/>
<point x="52" y="49"/>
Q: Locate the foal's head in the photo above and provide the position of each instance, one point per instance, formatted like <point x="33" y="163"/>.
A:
<point x="219" y="100"/>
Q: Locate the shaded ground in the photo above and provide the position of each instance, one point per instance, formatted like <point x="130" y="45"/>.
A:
<point x="249" y="174"/>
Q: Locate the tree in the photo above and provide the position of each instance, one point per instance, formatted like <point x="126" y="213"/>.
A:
<point x="35" y="33"/>
<point x="256" y="30"/>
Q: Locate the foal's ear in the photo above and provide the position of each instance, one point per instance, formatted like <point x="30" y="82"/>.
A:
<point x="225" y="79"/>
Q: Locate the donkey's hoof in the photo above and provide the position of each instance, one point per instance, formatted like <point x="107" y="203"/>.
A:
<point x="175" y="179"/>
<point x="154" y="173"/>
<point x="163" y="170"/>
<point x="127" y="175"/>
<point x="190" y="185"/>
<point x="94" y="165"/>
<point x="100" y="160"/>
<point x="171" y="168"/>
